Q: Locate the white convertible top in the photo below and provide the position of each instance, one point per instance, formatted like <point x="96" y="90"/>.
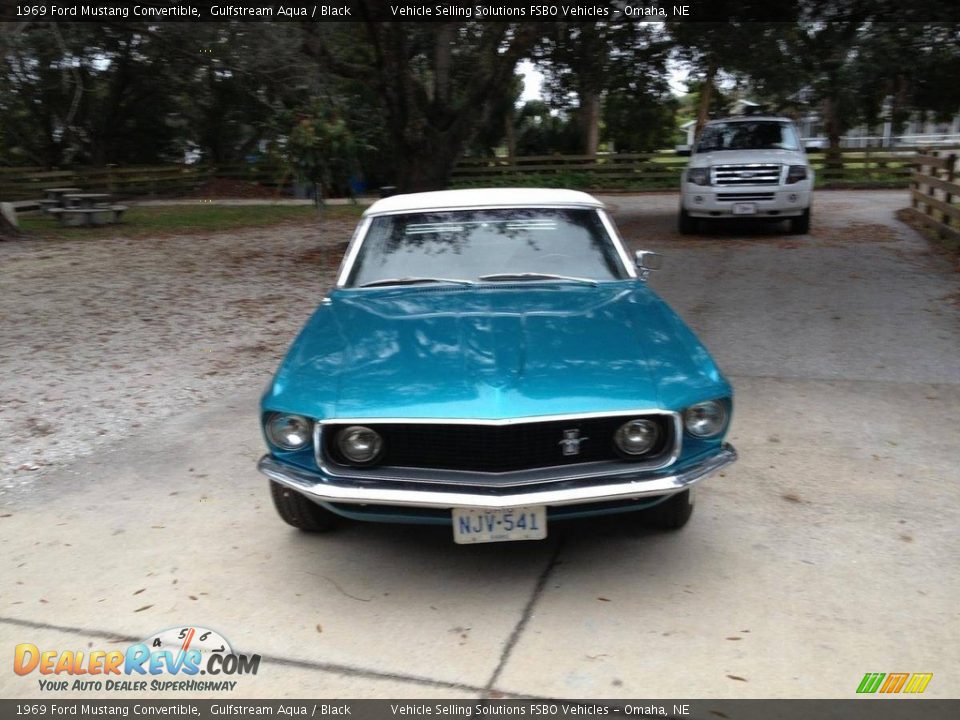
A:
<point x="485" y="197"/>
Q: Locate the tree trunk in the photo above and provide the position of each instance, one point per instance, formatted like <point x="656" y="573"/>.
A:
<point x="510" y="133"/>
<point x="442" y="56"/>
<point x="427" y="165"/>
<point x="590" y="121"/>
<point x="431" y="115"/>
<point x="831" y="121"/>
<point x="706" y="95"/>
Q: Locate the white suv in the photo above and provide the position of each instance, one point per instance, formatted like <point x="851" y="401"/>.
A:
<point x="751" y="167"/>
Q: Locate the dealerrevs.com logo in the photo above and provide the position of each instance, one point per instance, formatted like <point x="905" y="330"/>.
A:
<point x="170" y="660"/>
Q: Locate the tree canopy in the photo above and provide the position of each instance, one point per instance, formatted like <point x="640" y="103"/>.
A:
<point x="399" y="103"/>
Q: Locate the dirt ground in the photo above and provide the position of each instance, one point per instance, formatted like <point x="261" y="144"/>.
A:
<point x="103" y="337"/>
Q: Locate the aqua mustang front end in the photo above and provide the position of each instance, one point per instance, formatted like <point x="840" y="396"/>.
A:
<point x="492" y="360"/>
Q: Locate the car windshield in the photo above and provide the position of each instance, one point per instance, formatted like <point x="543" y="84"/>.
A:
<point x="496" y="245"/>
<point x="748" y="135"/>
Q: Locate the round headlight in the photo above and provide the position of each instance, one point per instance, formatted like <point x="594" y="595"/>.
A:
<point x="705" y="419"/>
<point x="289" y="432"/>
<point x="359" y="444"/>
<point x="637" y="436"/>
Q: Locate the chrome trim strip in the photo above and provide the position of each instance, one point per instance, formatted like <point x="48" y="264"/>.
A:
<point x="521" y="420"/>
<point x="353" y="248"/>
<point x="618" y="243"/>
<point x="320" y="489"/>
<point x="530" y="476"/>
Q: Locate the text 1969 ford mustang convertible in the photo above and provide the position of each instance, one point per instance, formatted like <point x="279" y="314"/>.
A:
<point x="492" y="360"/>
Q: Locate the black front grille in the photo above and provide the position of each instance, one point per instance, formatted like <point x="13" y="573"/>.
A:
<point x="501" y="448"/>
<point x="744" y="197"/>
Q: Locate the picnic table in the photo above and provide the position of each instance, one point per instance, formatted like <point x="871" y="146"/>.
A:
<point x="53" y="197"/>
<point x="57" y="193"/>
<point x="80" y="208"/>
<point x="85" y="200"/>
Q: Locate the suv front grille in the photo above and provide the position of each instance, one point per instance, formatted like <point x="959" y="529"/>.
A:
<point x="458" y="446"/>
<point x="754" y="174"/>
<point x="745" y="197"/>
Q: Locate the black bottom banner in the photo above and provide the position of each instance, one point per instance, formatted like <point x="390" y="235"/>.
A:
<point x="859" y="709"/>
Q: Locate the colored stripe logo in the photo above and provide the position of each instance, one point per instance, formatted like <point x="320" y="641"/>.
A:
<point x="889" y="683"/>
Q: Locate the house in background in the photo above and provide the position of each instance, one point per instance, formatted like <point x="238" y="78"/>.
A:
<point x="918" y="131"/>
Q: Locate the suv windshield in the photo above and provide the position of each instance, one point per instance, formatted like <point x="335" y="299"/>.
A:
<point x="476" y="244"/>
<point x="748" y="135"/>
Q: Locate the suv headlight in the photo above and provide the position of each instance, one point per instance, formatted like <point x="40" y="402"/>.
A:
<point x="699" y="175"/>
<point x="706" y="419"/>
<point x="289" y="432"/>
<point x="796" y="173"/>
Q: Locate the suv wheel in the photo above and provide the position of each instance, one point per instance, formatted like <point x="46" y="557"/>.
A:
<point x="300" y="511"/>
<point x="686" y="225"/>
<point x="800" y="225"/>
<point x="671" y="514"/>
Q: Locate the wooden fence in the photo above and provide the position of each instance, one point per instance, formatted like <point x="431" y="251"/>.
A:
<point x="859" y="167"/>
<point x="28" y="183"/>
<point x="935" y="194"/>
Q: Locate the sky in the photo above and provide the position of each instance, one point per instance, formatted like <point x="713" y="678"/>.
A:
<point x="533" y="80"/>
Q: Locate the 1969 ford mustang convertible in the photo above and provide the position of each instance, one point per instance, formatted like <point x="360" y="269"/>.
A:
<point x="492" y="360"/>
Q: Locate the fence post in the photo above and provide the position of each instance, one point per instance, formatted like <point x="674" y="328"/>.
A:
<point x="931" y="190"/>
<point x="915" y="182"/>
<point x="948" y="196"/>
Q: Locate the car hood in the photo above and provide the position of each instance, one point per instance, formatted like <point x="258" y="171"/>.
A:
<point x="491" y="352"/>
<point x="739" y="157"/>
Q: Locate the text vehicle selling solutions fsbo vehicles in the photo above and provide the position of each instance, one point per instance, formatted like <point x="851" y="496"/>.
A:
<point x="492" y="360"/>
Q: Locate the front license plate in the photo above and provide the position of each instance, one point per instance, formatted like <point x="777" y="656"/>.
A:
<point x="477" y="525"/>
<point x="744" y="209"/>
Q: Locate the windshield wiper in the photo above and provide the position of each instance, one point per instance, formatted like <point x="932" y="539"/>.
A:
<point x="510" y="277"/>
<point x="416" y="281"/>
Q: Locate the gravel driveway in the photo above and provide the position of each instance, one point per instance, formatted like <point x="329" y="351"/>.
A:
<point x="130" y="375"/>
<point x="102" y="338"/>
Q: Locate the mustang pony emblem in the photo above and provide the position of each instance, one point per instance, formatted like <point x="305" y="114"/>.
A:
<point x="571" y="442"/>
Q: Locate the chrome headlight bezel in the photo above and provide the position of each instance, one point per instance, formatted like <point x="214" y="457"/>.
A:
<point x="375" y="443"/>
<point x="706" y="419"/>
<point x="288" y="432"/>
<point x="622" y="442"/>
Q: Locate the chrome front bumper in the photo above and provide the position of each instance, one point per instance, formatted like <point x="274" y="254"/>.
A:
<point x="338" y="490"/>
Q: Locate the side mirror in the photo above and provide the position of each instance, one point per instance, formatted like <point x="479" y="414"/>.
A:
<point x="646" y="261"/>
<point x="813" y="148"/>
<point x="683" y="150"/>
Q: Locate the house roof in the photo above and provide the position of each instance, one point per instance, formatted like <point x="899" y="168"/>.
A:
<point x="749" y="118"/>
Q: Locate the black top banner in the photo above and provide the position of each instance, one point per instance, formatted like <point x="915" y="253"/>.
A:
<point x="155" y="11"/>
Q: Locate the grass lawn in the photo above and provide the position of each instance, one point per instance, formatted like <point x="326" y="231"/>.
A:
<point x="187" y="219"/>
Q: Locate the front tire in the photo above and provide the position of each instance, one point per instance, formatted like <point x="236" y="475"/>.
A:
<point x="800" y="225"/>
<point x="301" y="512"/>
<point x="686" y="225"/>
<point x="671" y="514"/>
